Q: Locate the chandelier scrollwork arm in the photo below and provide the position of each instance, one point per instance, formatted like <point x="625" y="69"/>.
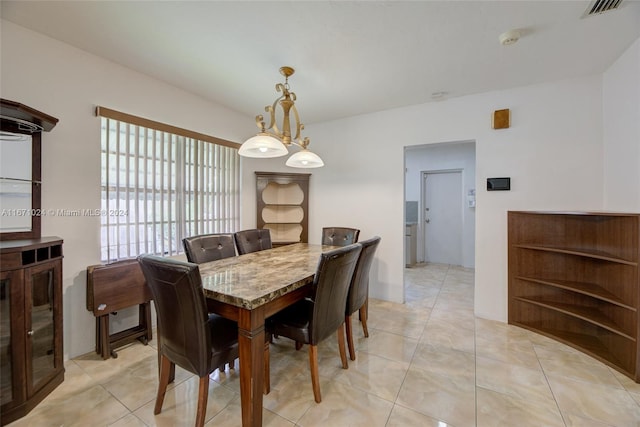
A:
<point x="271" y="109"/>
<point x="260" y="123"/>
<point x="299" y="126"/>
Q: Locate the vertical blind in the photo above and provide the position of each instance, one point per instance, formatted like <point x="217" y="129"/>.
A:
<point x="160" y="184"/>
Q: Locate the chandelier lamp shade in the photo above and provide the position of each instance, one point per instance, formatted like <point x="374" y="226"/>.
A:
<point x="274" y="141"/>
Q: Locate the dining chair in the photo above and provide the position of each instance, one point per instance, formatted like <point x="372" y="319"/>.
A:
<point x="339" y="236"/>
<point x="209" y="247"/>
<point x="190" y="337"/>
<point x="253" y="240"/>
<point x="358" y="296"/>
<point x="318" y="316"/>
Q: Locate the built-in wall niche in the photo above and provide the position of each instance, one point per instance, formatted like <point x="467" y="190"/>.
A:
<point x="21" y="130"/>
<point x="282" y="212"/>
<point x="283" y="203"/>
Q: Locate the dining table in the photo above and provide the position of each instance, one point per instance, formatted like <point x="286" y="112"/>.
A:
<point x="248" y="289"/>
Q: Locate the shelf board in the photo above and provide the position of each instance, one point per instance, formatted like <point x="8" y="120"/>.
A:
<point x="589" y="315"/>
<point x="17" y="195"/>
<point x="578" y="252"/>
<point x="588" y="289"/>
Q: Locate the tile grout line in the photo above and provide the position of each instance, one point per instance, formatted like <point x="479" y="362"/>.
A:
<point x="395" y="401"/>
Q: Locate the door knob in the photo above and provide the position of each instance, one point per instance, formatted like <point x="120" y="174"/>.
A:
<point x="427" y="221"/>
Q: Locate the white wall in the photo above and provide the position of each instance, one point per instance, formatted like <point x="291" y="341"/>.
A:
<point x="553" y="153"/>
<point x="444" y="156"/>
<point x="621" y="101"/>
<point x="68" y="83"/>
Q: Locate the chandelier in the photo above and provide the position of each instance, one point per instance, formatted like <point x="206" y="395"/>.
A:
<point x="272" y="141"/>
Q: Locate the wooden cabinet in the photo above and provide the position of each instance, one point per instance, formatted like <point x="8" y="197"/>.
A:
<point x="283" y="206"/>
<point x="574" y="277"/>
<point x="31" y="346"/>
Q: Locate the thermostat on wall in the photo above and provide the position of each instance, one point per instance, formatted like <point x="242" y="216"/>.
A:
<point x="498" y="184"/>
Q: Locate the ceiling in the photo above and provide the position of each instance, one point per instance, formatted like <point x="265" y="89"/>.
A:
<point x="350" y="57"/>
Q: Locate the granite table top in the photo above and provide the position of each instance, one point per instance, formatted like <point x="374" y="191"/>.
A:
<point x="251" y="280"/>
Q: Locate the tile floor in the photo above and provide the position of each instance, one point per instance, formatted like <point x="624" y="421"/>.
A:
<point x="429" y="362"/>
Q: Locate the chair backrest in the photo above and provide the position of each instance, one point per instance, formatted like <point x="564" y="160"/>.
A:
<point x="209" y="247"/>
<point x="359" y="289"/>
<point x="185" y="336"/>
<point x="339" y="236"/>
<point x="254" y="240"/>
<point x="331" y="285"/>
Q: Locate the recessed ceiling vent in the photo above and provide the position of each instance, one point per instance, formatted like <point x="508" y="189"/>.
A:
<point x="597" y="7"/>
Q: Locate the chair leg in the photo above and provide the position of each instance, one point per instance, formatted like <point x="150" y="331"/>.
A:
<point x="165" y="368"/>
<point x="366" y="307"/>
<point x="343" y="353"/>
<point x="349" y="333"/>
<point x="363" y="319"/>
<point x="313" y="367"/>
<point x="299" y="345"/>
<point x="203" y="394"/>
<point x="267" y="368"/>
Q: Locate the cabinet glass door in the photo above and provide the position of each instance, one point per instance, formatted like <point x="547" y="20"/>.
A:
<point x="16" y="181"/>
<point x="41" y="334"/>
<point x="6" y="387"/>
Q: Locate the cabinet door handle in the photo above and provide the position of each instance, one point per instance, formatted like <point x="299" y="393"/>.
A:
<point x="30" y="333"/>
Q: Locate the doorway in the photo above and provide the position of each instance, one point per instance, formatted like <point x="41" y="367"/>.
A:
<point x="442" y="217"/>
<point x="446" y="157"/>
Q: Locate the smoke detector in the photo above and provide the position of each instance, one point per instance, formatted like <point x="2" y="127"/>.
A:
<point x="509" y="37"/>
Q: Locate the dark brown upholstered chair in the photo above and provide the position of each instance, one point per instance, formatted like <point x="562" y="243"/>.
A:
<point x="254" y="240"/>
<point x="190" y="337"/>
<point x="339" y="236"/>
<point x="209" y="247"/>
<point x="359" y="291"/>
<point x="315" y="318"/>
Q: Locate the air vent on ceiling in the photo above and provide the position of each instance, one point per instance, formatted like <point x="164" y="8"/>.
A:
<point x="600" y="6"/>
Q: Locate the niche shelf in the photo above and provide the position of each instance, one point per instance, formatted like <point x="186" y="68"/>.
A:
<point x="573" y="276"/>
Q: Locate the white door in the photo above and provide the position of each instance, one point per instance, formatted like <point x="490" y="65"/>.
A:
<point x="442" y="216"/>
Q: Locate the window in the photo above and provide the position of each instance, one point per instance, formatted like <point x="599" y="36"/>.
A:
<point x="161" y="184"/>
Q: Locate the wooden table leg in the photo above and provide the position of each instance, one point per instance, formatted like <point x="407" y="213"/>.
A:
<point x="105" y="347"/>
<point x="251" y="336"/>
<point x="144" y="320"/>
<point x="98" y="340"/>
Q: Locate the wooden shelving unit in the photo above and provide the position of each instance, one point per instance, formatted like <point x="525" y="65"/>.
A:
<point x="574" y="276"/>
<point x="31" y="344"/>
<point x="283" y="206"/>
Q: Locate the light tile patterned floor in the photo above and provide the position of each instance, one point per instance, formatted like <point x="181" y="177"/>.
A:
<point x="428" y="362"/>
